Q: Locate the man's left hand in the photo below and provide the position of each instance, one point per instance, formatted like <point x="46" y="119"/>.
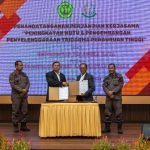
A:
<point x="82" y="94"/>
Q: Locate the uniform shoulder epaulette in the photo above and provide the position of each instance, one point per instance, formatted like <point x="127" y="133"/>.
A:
<point x="119" y="75"/>
<point x="106" y="77"/>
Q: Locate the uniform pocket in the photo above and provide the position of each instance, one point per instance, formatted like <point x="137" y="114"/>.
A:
<point x="108" y="82"/>
<point x="16" y="81"/>
<point x="116" y="82"/>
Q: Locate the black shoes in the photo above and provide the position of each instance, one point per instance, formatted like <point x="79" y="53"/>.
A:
<point x="24" y="127"/>
<point x="106" y="130"/>
<point x="16" y="127"/>
<point x="120" y="131"/>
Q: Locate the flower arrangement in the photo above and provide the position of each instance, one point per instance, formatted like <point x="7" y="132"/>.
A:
<point x="122" y="145"/>
<point x="4" y="145"/>
<point x="18" y="144"/>
<point x="104" y="144"/>
<point x="141" y="144"/>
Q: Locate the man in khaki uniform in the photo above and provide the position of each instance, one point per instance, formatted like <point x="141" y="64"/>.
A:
<point x="112" y="86"/>
<point x="19" y="83"/>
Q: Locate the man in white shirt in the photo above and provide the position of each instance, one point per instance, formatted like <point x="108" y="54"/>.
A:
<point x="87" y="96"/>
<point x="55" y="78"/>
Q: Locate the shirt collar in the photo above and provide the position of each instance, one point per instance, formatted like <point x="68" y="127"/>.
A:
<point x="113" y="75"/>
<point x="16" y="72"/>
<point x="57" y="72"/>
<point x="83" y="74"/>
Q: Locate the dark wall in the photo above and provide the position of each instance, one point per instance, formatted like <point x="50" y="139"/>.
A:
<point x="131" y="113"/>
<point x="5" y="113"/>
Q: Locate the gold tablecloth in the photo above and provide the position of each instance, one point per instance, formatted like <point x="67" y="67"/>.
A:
<point x="69" y="119"/>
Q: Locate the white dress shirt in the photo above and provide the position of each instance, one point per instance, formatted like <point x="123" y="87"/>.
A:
<point x="58" y="75"/>
<point x="82" y="77"/>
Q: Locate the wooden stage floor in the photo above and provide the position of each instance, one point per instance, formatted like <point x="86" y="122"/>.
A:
<point x="131" y="133"/>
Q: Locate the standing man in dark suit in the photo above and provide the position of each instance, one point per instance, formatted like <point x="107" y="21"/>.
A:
<point x="112" y="86"/>
<point x="20" y="84"/>
<point x="55" y="78"/>
<point x="87" y="96"/>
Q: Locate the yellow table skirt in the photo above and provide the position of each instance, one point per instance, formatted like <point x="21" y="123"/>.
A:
<point x="69" y="119"/>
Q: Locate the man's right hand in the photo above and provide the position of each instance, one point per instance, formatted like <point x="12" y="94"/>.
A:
<point x="110" y="93"/>
<point x="82" y="94"/>
<point x="112" y="96"/>
<point x="24" y="91"/>
<point x="65" y="84"/>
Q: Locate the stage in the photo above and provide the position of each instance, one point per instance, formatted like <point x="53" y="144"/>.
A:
<point x="131" y="133"/>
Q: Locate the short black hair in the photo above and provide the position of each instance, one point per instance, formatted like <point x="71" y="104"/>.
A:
<point x="84" y="64"/>
<point x="112" y="64"/>
<point x="16" y="63"/>
<point x="55" y="62"/>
